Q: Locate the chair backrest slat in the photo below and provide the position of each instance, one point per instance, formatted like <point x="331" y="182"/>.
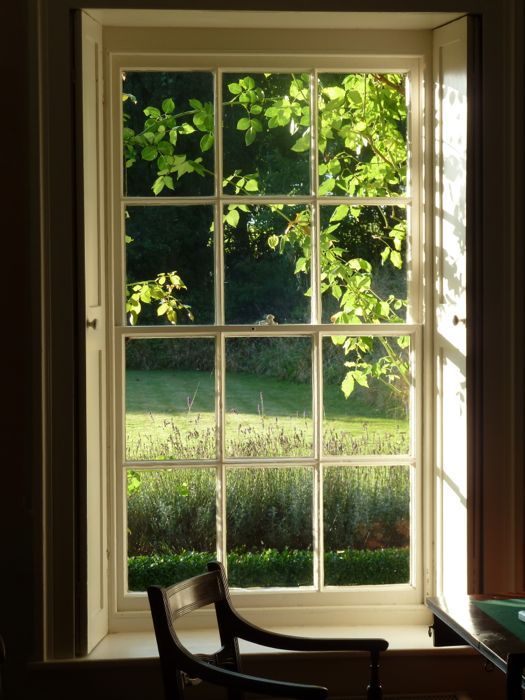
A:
<point x="195" y="593"/>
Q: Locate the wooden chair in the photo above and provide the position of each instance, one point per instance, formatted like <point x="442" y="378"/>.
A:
<point x="180" y="667"/>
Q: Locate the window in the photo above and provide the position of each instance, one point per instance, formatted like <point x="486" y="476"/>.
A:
<point x="268" y="333"/>
<point x="494" y="379"/>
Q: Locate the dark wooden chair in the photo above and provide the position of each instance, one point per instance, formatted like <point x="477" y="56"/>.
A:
<point x="180" y="667"/>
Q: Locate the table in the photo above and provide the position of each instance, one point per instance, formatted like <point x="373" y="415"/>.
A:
<point x="461" y="620"/>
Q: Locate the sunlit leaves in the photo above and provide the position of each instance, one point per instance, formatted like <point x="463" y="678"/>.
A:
<point x="361" y="143"/>
<point x="159" y="291"/>
<point x="362" y="124"/>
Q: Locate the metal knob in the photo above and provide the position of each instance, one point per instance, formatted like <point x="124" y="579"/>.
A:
<point x="456" y="320"/>
<point x="91" y="324"/>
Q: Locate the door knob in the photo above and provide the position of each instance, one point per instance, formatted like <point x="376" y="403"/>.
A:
<point x="456" y="320"/>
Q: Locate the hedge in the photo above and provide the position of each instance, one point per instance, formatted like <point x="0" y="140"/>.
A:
<point x="289" y="568"/>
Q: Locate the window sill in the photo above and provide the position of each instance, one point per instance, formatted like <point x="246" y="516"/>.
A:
<point x="142" y="645"/>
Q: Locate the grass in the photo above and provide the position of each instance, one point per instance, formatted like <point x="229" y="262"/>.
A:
<point x="170" y="415"/>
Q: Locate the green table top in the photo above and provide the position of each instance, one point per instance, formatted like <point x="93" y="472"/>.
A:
<point x="505" y="612"/>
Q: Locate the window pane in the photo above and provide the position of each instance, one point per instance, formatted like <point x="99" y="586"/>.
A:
<point x="362" y="134"/>
<point x="366" y="525"/>
<point x="168" y="134"/>
<point x="366" y="395"/>
<point x="169" y="265"/>
<point x="268" y="397"/>
<point x="270" y="538"/>
<point x="170" y="399"/>
<point x="267" y="261"/>
<point x="363" y="264"/>
<point x="266" y="133"/>
<point x="171" y="525"/>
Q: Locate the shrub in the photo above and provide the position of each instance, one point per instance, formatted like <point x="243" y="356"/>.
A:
<point x="172" y="511"/>
<point x="270" y="568"/>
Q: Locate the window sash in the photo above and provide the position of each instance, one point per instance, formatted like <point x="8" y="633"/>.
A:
<point x="411" y="201"/>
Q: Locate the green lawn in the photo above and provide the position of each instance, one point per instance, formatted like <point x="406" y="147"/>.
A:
<point x="170" y="415"/>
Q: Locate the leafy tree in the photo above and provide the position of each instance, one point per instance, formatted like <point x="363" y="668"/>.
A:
<point x="267" y="125"/>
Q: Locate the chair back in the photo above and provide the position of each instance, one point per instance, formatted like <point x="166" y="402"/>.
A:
<point x="179" y="666"/>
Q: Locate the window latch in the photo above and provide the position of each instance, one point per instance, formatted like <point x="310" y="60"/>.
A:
<point x="91" y="324"/>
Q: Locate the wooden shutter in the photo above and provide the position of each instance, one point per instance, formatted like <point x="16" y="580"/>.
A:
<point x="96" y="423"/>
<point x="450" y="338"/>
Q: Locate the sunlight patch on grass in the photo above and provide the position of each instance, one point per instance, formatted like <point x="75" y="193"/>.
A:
<point x="170" y="416"/>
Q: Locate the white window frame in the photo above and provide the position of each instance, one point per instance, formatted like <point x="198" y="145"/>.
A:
<point x="128" y="608"/>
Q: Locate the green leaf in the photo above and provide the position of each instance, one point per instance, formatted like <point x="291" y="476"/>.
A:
<point x="302" y="144"/>
<point x="340" y="212"/>
<point x="360" y="378"/>
<point x="173" y="137"/>
<point x="149" y="153"/>
<point x="165" y="147"/>
<point x="163" y="164"/>
<point x="248" y="82"/>
<point x="334" y="93"/>
<point x="168" y="181"/>
<point x="206" y="142"/>
<point x="168" y="106"/>
<point x="348" y="385"/>
<point x="327" y="186"/>
<point x="162" y="308"/>
<point x="300" y="265"/>
<point x="158" y="185"/>
<point x="235" y="88"/>
<point x="196" y="104"/>
<point x="249" y="136"/>
<point x="152" y="112"/>
<point x="243" y="124"/>
<point x="252" y="186"/>
<point x="384" y="309"/>
<point x="396" y="259"/>
<point x="273" y="241"/>
<point x="232" y="217"/>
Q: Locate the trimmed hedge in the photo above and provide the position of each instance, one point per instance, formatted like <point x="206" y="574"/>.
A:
<point x="289" y="568"/>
